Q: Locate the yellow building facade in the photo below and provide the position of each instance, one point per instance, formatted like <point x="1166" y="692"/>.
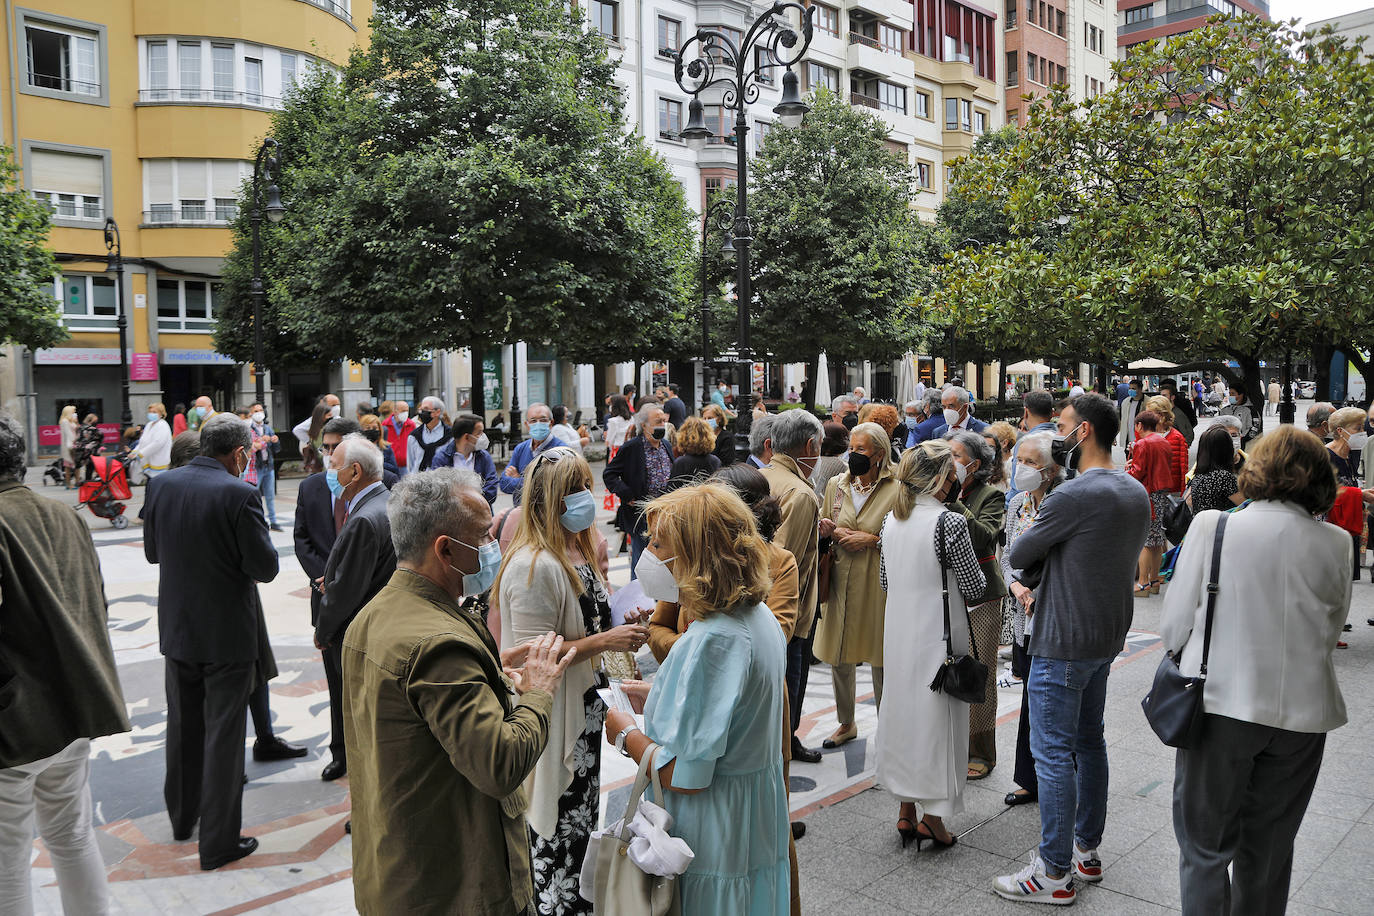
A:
<point x="149" y="112"/>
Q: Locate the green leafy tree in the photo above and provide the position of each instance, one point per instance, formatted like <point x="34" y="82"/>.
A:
<point x="467" y="182"/>
<point x="839" y="253"/>
<point x="1217" y="206"/>
<point x="29" y="313"/>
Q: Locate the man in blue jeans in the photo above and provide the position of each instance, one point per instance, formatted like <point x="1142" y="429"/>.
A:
<point x="1088" y="536"/>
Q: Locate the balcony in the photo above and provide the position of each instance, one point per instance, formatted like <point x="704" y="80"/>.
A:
<point x="330" y="6"/>
<point x="207" y="216"/>
<point x="867" y="101"/>
<point x="866" y="55"/>
<point x="225" y="97"/>
<point x="896" y="12"/>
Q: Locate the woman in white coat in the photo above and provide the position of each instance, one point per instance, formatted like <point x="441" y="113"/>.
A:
<point x="155" y="445"/>
<point x="1242" y="788"/>
<point x="550" y="581"/>
<point x="923" y="735"/>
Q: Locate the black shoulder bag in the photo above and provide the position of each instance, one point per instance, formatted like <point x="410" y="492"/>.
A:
<point x="962" y="677"/>
<point x="1173" y="707"/>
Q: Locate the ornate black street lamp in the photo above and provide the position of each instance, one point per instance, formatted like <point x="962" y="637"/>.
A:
<point x="114" y="260"/>
<point x="266" y="162"/>
<point x="711" y="60"/>
<point x="719" y="215"/>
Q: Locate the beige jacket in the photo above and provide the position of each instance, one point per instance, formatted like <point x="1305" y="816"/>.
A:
<point x="851" y="630"/>
<point x="801" y="514"/>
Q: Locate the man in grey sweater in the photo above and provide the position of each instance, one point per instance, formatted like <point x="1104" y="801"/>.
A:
<point x="1088" y="536"/>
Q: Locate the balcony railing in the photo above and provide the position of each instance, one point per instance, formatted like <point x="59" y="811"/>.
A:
<point x="63" y="84"/>
<point x="330" y="6"/>
<point x="189" y="216"/>
<point x="858" y="38"/>
<point x="868" y="101"/>
<point x="227" y="97"/>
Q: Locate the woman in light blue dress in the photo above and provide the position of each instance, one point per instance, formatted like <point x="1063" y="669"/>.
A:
<point x="716" y="704"/>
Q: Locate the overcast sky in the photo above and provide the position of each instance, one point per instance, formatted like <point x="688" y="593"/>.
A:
<point x="1310" y="11"/>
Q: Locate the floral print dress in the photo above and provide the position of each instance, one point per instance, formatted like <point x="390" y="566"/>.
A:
<point x="558" y="861"/>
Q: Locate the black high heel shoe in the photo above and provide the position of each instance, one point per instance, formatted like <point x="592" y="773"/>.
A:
<point x="908" y="833"/>
<point x="923" y="835"/>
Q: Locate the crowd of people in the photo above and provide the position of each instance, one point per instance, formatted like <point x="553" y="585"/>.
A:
<point x="465" y="653"/>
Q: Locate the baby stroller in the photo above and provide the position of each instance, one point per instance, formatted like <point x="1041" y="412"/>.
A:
<point x="102" y="495"/>
<point x="53" y="472"/>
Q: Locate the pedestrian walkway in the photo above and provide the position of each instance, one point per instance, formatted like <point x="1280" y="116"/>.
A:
<point x="851" y="857"/>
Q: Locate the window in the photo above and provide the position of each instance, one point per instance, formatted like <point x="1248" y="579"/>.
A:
<point x="157" y="69"/>
<point x="186" y="305"/>
<point x="1178" y="6"/>
<point x="1012" y="7"/>
<point x="198" y="191"/>
<point x="923" y="105"/>
<point x="951" y="114"/>
<point x="966" y="114"/>
<point x="721" y="122"/>
<point x="896" y="148"/>
<point x="980" y="122"/>
<point x="715" y="48"/>
<point x="1043" y="18"/>
<point x="604" y="16"/>
<point x="1031" y="61"/>
<point x="1060" y="75"/>
<point x="892" y="39"/>
<point x="764" y="65"/>
<point x="892" y="97"/>
<point x="1030" y="10"/>
<point x="226" y="209"/>
<point x="288" y="72"/>
<point x="188" y="66"/>
<point x="222" y="65"/>
<point x="73" y="184"/>
<point x="88" y="303"/>
<point x="1059" y="24"/>
<point x="63" y="60"/>
<point x="761" y="131"/>
<point x="669" y="119"/>
<point x="1139" y="13"/>
<point x="252" y="80"/>
<point x="819" y="75"/>
<point x="669" y="37"/>
<point x="827" y="19"/>
<point x="923" y="170"/>
<point x="1013" y="76"/>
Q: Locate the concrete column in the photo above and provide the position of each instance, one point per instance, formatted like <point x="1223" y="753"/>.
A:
<point x="522" y="375"/>
<point x="624" y="375"/>
<point x="584" y="390"/>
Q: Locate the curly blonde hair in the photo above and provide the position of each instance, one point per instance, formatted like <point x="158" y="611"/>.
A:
<point x="694" y="437"/>
<point x="885" y="415"/>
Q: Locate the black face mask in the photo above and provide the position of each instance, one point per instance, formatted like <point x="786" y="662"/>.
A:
<point x="1064" y="454"/>
<point x="372" y="435"/>
<point x="660" y="432"/>
<point x="426" y="416"/>
<point x="859" y="464"/>
<point x="850" y="420"/>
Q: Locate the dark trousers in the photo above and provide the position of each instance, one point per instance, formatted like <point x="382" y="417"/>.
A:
<point x="798" y="672"/>
<point x="333" y="676"/>
<point x="262" y="713"/>
<point x="1025" y="762"/>
<point x="1359" y="555"/>
<point x="206" y="729"/>
<point x="1240" y="794"/>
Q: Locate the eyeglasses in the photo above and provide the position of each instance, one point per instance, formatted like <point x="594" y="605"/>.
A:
<point x="551" y="456"/>
<point x="328" y="449"/>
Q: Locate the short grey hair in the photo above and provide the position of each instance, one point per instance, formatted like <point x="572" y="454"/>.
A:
<point x="427" y="504"/>
<point x="535" y="406"/>
<point x="911" y="405"/>
<point x="357" y="449"/>
<point x="1040" y="444"/>
<point x="435" y="402"/>
<point x="977" y="448"/>
<point x="1234" y="422"/>
<point x="1319" y="413"/>
<point x="222" y="434"/>
<point x="760" y="432"/>
<point x="934" y="402"/>
<point x="792" y="429"/>
<point x="645" y="411"/>
<point x="960" y="394"/>
<point x="13" y="463"/>
<point x="842" y="400"/>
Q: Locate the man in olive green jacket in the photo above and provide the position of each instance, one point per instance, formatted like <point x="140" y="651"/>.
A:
<point x="441" y="729"/>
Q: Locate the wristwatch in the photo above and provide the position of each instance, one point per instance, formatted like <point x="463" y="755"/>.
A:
<point x="620" y="738"/>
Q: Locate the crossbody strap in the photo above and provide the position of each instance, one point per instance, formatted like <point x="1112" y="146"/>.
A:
<point x="1212" y="590"/>
<point x="944" y="579"/>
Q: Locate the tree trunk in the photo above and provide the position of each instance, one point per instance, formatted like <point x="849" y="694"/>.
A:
<point x="978" y="381"/>
<point x="1252" y="383"/>
<point x="808" y="394"/>
<point x="479" y="387"/>
<point x="1002" y="380"/>
<point x="1321" y="364"/>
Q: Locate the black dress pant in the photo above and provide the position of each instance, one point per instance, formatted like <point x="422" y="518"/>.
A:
<point x="206" y="729"/>
<point x="333" y="676"/>
<point x="1025" y="763"/>
<point x="798" y="672"/>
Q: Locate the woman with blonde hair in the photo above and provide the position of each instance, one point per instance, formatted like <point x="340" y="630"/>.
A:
<point x="714" y="705"/>
<point x="851" y="628"/>
<point x="69" y="427"/>
<point x="694" y="461"/>
<point x="716" y="420"/>
<point x="1178" y="445"/>
<point x="374" y="432"/>
<point x="930" y="571"/>
<point x="154" y="447"/>
<point x="549" y="582"/>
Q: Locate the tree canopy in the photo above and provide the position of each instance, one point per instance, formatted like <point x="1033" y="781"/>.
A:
<point x="30" y="315"/>
<point x="467" y="181"/>
<point x="1213" y="206"/>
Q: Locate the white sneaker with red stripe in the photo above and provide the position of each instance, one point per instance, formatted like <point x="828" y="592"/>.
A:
<point x="1086" y="865"/>
<point x="1034" y="886"/>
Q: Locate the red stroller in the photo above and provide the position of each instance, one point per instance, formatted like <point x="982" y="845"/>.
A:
<point x="102" y="495"/>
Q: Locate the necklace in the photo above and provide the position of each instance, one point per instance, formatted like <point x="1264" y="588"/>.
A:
<point x="860" y="488"/>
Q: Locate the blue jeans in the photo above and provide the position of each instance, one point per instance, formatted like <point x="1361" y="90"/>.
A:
<point x="267" y="486"/>
<point x="1067" y="699"/>
<point x="637" y="544"/>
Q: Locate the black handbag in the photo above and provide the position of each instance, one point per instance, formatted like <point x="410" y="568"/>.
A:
<point x="1178" y="518"/>
<point x="962" y="677"/>
<point x="1173" y="707"/>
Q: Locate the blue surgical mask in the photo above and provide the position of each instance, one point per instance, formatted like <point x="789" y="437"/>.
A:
<point x="911" y="422"/>
<point x="202" y="411"/>
<point x="711" y="422"/>
<point x="331" y="480"/>
<point x="152" y="417"/>
<point x="581" y="511"/>
<point x="539" y="430"/>
<point x="489" y="558"/>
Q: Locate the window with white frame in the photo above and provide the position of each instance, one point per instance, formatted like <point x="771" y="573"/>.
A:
<point x="761" y="131"/>
<point x="604" y="16"/>
<point x="188" y="69"/>
<point x="186" y="305"/>
<point x="252" y="80"/>
<point x="288" y="72"/>
<point x="923" y="105"/>
<point x="200" y="71"/>
<point x="88" y="302"/>
<point x="62" y="59"/>
<point x="72" y="184"/>
<point x="158" y="79"/>
<point x="980" y="122"/>
<point x="222" y="65"/>
<point x="192" y="191"/>
<point x="669" y="119"/>
<point x="819" y="75"/>
<point x="891" y="97"/>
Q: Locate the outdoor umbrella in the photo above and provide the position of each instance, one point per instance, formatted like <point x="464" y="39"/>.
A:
<point x="823" y="383"/>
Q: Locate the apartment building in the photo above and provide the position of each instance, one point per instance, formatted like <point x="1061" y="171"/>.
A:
<point x="147" y="112"/>
<point x="1358" y="25"/>
<point x="1056" y="42"/>
<point x="1141" y="22"/>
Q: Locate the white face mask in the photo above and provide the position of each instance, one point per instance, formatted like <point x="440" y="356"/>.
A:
<point x="1027" y="477"/>
<point x="1359" y="440"/>
<point x="402" y="416"/>
<point x="259" y="417"/>
<point x="483" y="443"/>
<point x="960" y="471"/>
<point x="334" y="411"/>
<point x="952" y="417"/>
<point x="656" y="578"/>
<point x="1235" y="440"/>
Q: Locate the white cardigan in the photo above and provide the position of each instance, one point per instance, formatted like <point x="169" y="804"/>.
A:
<point x="531" y="607"/>
<point x="1284" y="594"/>
<point x="155" y="446"/>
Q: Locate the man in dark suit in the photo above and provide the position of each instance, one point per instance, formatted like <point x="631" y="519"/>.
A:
<point x="205" y="529"/>
<point x="957" y="413"/>
<point x="360" y="564"/>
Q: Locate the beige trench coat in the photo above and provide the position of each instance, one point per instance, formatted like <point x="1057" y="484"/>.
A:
<point x="851" y="628"/>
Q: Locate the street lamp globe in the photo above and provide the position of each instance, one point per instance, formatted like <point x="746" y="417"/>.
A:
<point x="275" y="209"/>
<point x="790" y="109"/>
<point x="728" y="248"/>
<point x="696" y="132"/>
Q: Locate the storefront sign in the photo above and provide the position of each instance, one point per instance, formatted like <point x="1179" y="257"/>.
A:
<point x="143" y="367"/>
<point x="491" y="381"/>
<point x="355" y="371"/>
<point x="195" y="358"/>
<point x="51" y="436"/>
<point x="77" y="356"/>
